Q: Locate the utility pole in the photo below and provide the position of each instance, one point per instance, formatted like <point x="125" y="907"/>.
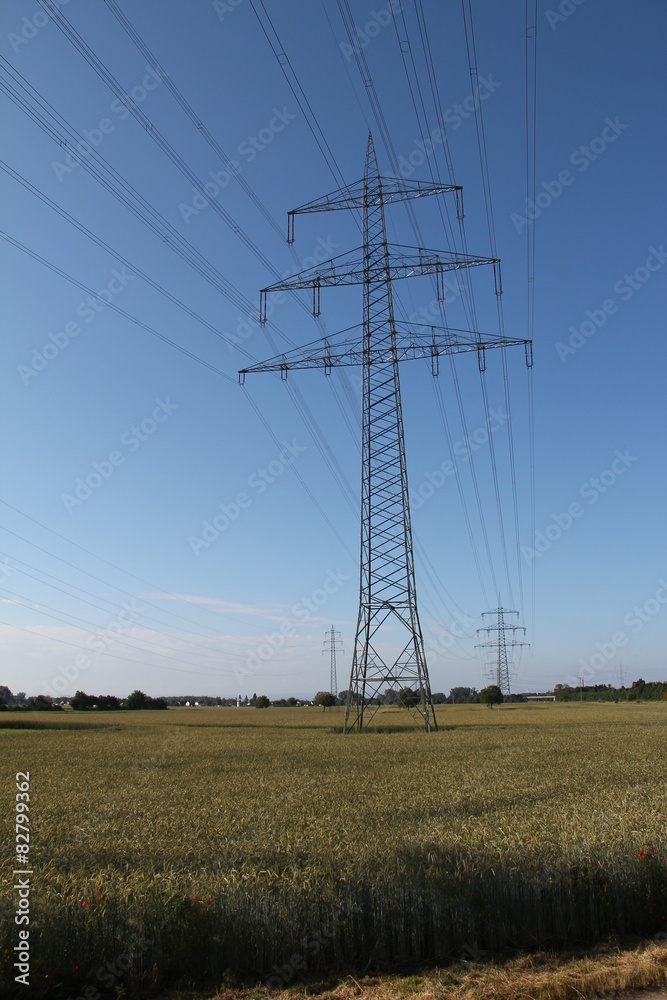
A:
<point x="333" y="644"/>
<point x="501" y="643"/>
<point x="387" y="590"/>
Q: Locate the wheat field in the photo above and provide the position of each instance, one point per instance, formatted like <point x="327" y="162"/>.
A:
<point x="220" y="845"/>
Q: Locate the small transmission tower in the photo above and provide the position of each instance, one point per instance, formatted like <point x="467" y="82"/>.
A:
<point x="501" y="643"/>
<point x="332" y="645"/>
<point x="387" y="592"/>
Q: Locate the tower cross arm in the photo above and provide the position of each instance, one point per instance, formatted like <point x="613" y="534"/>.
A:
<point x="493" y="644"/>
<point x="411" y="341"/>
<point x="356" y="196"/>
<point x="352" y="269"/>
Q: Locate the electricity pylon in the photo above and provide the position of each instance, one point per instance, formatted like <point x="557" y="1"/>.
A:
<point x="333" y="644"/>
<point x="387" y="592"/>
<point x="501" y="643"/>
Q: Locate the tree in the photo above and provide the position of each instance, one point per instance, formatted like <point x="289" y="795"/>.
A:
<point x="261" y="701"/>
<point x="407" y="698"/>
<point x="136" y="700"/>
<point x="139" y="700"/>
<point x="491" y="695"/>
<point x="458" y="694"/>
<point x="42" y="703"/>
<point x="109" y="702"/>
<point x="326" y="699"/>
<point x="81" y="701"/>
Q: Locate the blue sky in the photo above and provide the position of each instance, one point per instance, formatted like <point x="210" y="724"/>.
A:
<point x="121" y="584"/>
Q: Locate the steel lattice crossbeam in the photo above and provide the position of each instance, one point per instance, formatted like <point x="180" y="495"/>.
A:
<point x="412" y="341"/>
<point x="398" y="262"/>
<point x="387" y="592"/>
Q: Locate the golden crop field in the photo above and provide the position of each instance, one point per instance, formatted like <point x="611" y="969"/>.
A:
<point x="195" y="845"/>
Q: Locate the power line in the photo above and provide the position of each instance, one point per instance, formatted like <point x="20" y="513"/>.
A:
<point x="365" y="74"/>
<point x="287" y="69"/>
<point x="155" y="134"/>
<point x="118" y="256"/>
<point x="106" y="583"/>
<point x="124" y="659"/>
<point x="68" y="587"/>
<point x="531" y="174"/>
<point x="85" y="621"/>
<point x="376" y="107"/>
<point x="148" y="55"/>
<point x="116" y="308"/>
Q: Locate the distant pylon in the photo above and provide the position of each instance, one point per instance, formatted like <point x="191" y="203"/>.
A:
<point x="388" y="642"/>
<point x="332" y="645"/>
<point x="501" y="665"/>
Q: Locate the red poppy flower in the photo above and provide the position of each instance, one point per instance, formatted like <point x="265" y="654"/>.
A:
<point x="84" y="903"/>
<point x="196" y="899"/>
<point x="77" y="966"/>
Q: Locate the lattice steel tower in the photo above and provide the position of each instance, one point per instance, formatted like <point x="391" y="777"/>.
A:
<point x="383" y="656"/>
<point x="501" y="643"/>
<point x="333" y="644"/>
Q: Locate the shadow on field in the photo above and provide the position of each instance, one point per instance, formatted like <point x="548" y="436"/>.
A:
<point x="383" y="729"/>
<point x="433" y="908"/>
<point x="53" y="724"/>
